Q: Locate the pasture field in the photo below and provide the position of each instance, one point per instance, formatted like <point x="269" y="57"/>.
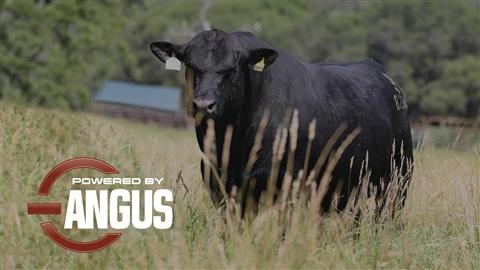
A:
<point x="439" y="227"/>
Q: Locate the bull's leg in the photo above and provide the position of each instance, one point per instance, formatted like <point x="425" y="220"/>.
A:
<point x="211" y="184"/>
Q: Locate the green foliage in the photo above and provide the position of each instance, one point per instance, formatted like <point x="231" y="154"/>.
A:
<point x="422" y="44"/>
<point x="461" y="76"/>
<point x="55" y="53"/>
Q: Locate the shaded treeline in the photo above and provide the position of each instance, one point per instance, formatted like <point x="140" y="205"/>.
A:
<point x="56" y="53"/>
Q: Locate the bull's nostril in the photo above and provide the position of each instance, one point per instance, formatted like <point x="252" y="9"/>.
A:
<point x="208" y="106"/>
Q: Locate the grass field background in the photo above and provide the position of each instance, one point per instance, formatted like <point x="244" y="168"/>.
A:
<point x="440" y="222"/>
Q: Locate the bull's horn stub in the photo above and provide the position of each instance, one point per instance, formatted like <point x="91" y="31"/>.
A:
<point x="173" y="63"/>
<point x="259" y="66"/>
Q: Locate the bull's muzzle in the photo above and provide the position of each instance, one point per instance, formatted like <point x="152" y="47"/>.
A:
<point x="204" y="105"/>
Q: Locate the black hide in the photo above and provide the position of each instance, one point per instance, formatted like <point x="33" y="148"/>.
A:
<point x="357" y="94"/>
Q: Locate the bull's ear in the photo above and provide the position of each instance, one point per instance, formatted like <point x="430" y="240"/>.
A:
<point x="163" y="50"/>
<point x="261" y="58"/>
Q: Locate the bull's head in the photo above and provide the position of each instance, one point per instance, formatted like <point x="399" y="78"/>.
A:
<point x="216" y="65"/>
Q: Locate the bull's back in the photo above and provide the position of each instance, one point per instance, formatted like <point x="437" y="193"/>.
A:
<point x="360" y="90"/>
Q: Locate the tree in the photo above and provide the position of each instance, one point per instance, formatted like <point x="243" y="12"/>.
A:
<point x="460" y="88"/>
<point x="55" y="54"/>
<point x="415" y="40"/>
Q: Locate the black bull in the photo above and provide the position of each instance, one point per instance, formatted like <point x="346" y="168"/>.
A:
<point x="234" y="78"/>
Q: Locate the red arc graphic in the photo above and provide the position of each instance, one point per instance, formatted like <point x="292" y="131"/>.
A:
<point x="71" y="164"/>
<point x="55" y="208"/>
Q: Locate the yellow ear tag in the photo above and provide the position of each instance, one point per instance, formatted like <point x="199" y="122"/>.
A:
<point x="259" y="66"/>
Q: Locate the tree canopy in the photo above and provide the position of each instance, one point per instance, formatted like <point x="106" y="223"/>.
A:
<point x="56" y="53"/>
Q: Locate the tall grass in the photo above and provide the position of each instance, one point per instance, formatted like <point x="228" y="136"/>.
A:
<point x="301" y="189"/>
<point x="440" y="221"/>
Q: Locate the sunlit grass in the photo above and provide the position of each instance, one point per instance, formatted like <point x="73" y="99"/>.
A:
<point x="440" y="222"/>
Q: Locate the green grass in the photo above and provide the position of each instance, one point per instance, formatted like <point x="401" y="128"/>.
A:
<point x="440" y="222"/>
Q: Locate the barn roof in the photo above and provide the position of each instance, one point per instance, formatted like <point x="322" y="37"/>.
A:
<point x="142" y="95"/>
